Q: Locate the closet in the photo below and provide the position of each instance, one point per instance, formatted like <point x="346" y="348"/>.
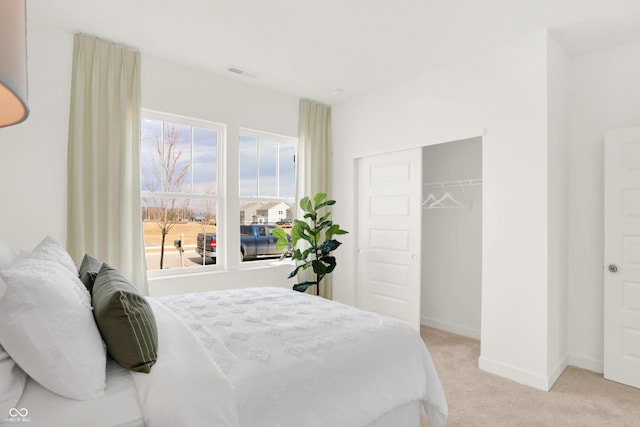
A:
<point x="452" y="236"/>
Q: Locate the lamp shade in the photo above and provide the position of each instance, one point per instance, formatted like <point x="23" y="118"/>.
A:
<point x="13" y="62"/>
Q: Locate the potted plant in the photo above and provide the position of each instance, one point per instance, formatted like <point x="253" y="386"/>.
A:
<point x="312" y="241"/>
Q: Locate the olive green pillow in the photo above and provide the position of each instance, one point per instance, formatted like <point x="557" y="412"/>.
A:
<point x="88" y="271"/>
<point x="125" y="320"/>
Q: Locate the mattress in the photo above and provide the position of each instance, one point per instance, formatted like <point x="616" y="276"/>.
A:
<point x="117" y="408"/>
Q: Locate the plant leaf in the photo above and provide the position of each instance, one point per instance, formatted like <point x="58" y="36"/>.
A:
<point x="307" y="252"/>
<point x="324" y="225"/>
<point x="324" y="217"/>
<point x="283" y="241"/>
<point x="302" y="225"/>
<point x="282" y="244"/>
<point x="328" y="246"/>
<point x="305" y="205"/>
<point x="300" y="267"/>
<point x="295" y="236"/>
<point x="303" y="286"/>
<point x="332" y="230"/>
<point x="330" y="261"/>
<point x="303" y="235"/>
<point x="326" y="203"/>
<point x="279" y="233"/>
<point x="319" y="198"/>
<point x="319" y="268"/>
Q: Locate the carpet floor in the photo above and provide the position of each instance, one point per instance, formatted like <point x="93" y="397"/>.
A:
<point x="477" y="398"/>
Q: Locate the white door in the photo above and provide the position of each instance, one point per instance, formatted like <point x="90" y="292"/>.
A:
<point x="389" y="236"/>
<point x="622" y="256"/>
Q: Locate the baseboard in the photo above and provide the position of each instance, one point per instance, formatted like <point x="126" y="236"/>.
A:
<point x="555" y="374"/>
<point x="451" y="327"/>
<point x="586" y="363"/>
<point x="515" y="374"/>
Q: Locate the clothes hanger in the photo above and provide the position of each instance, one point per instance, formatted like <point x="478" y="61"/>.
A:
<point x="430" y="199"/>
<point x="446" y="197"/>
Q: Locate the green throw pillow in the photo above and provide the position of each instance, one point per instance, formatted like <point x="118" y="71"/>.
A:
<point x="125" y="320"/>
<point x="88" y="271"/>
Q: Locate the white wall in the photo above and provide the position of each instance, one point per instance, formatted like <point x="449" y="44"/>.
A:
<point x="452" y="240"/>
<point x="558" y="214"/>
<point x="605" y="94"/>
<point x="504" y="92"/>
<point x="33" y="155"/>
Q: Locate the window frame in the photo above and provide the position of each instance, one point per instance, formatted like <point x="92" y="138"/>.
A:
<point x="218" y="197"/>
<point x="243" y="200"/>
<point x="252" y="133"/>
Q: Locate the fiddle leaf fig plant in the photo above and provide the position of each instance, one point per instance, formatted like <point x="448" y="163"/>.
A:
<point x="312" y="240"/>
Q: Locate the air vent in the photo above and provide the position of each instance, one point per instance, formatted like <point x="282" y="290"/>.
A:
<point x="241" y="72"/>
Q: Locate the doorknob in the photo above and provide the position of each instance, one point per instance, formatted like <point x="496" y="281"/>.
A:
<point x="613" y="268"/>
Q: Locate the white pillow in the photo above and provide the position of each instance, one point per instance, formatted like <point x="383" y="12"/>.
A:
<point x="12" y="381"/>
<point x="48" y="327"/>
<point x="7" y="254"/>
<point x="51" y="249"/>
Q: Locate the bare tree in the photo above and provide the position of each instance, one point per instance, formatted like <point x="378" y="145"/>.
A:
<point x="166" y="175"/>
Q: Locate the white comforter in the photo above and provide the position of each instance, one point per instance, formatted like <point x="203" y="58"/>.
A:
<point x="282" y="358"/>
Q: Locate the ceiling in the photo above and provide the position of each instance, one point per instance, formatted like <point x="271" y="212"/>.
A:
<point x="332" y="50"/>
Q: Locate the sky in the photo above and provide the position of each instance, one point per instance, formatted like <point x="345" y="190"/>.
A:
<point x="263" y="162"/>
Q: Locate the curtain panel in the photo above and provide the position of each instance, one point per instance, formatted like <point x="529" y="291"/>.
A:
<point x="103" y="182"/>
<point x="313" y="166"/>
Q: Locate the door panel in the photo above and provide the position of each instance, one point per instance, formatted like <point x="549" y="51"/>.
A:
<point x="622" y="256"/>
<point x="389" y="234"/>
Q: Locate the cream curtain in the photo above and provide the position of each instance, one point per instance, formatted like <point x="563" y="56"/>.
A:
<point x="313" y="166"/>
<point x="103" y="183"/>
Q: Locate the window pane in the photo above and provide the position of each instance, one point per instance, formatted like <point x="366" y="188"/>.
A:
<point x="151" y="155"/>
<point x="178" y="162"/>
<point x="248" y="166"/>
<point x="177" y="157"/>
<point x="179" y="219"/>
<point x="287" y="170"/>
<point x="267" y="168"/>
<point x="249" y="213"/>
<point x="257" y="220"/>
<point x="205" y="144"/>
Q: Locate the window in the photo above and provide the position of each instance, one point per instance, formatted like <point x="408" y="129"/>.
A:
<point x="267" y="181"/>
<point x="179" y="179"/>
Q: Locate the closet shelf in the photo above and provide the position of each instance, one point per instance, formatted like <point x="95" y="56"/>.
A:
<point x="458" y="183"/>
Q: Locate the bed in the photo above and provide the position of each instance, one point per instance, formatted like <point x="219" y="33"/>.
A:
<point x="246" y="357"/>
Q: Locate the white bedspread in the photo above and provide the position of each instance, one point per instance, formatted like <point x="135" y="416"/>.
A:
<point x="293" y="359"/>
<point x="183" y="388"/>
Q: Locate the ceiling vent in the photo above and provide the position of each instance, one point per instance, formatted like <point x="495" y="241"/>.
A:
<point x="241" y="72"/>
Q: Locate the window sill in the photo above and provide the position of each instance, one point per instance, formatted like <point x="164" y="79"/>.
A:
<point x="173" y="273"/>
<point x="270" y="273"/>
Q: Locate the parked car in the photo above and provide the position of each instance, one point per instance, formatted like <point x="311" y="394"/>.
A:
<point x="256" y="241"/>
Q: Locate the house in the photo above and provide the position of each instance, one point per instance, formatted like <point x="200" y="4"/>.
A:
<point x="541" y="102"/>
<point x="274" y="212"/>
<point x="249" y="213"/>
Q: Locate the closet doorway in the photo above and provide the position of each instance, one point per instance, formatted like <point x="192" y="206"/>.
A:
<point x="451" y="279"/>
